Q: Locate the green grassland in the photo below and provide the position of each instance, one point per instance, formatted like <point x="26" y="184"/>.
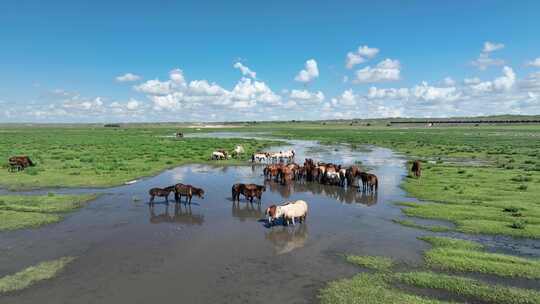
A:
<point x="30" y="211"/>
<point x="33" y="274"/>
<point x="384" y="285"/>
<point x="83" y="156"/>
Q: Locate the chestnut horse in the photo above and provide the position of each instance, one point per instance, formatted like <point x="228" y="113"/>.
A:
<point x="18" y="163"/>
<point x="416" y="168"/>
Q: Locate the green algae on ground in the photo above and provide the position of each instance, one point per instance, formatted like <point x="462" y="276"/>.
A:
<point x="432" y="228"/>
<point x="369" y="288"/>
<point x="468" y="287"/>
<point x="30" y="211"/>
<point x="465" y="256"/>
<point x="33" y="274"/>
<point x="371" y="262"/>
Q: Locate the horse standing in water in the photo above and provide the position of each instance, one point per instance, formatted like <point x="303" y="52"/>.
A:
<point x="249" y="191"/>
<point x="416" y="168"/>
<point x="188" y="191"/>
<point x="161" y="193"/>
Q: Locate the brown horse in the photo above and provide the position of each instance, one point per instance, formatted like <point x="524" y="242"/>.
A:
<point x="249" y="191"/>
<point x="286" y="175"/>
<point x="351" y="174"/>
<point x="161" y="193"/>
<point x="416" y="168"/>
<point x="372" y="183"/>
<point x="188" y="191"/>
<point x="18" y="163"/>
<point x="272" y="171"/>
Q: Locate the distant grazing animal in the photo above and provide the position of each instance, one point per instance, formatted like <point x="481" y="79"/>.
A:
<point x="179" y="135"/>
<point x="218" y="155"/>
<point x="259" y="157"/>
<point x="238" y="150"/>
<point x="18" y="163"/>
<point x="161" y="193"/>
<point x="288" y="211"/>
<point x="416" y="168"/>
<point x="249" y="191"/>
<point x="188" y="191"/>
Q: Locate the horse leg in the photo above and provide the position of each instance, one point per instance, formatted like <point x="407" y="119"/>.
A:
<point x="190" y="199"/>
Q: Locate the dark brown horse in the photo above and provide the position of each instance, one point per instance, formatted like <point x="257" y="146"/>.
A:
<point x="188" y="191"/>
<point x="416" y="168"/>
<point x="18" y="163"/>
<point x="249" y="191"/>
<point x="370" y="182"/>
<point x="161" y="193"/>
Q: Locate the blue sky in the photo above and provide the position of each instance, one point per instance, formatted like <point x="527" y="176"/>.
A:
<point x="59" y="60"/>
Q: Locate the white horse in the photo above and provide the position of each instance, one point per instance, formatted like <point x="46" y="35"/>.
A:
<point x="259" y="157"/>
<point x="218" y="155"/>
<point x="239" y="150"/>
<point x="288" y="211"/>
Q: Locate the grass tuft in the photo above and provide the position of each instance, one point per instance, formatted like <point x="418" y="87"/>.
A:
<point x="470" y="288"/>
<point x="465" y="256"/>
<point x="372" y="262"/>
<point x="33" y="274"/>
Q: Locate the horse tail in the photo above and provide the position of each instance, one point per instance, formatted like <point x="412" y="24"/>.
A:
<point x="376" y="184"/>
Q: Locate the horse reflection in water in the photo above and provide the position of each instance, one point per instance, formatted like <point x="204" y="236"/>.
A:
<point x="287" y="238"/>
<point x="181" y="215"/>
<point x="345" y="195"/>
<point x="247" y="211"/>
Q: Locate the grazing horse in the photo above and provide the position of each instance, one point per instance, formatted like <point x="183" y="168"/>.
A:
<point x="288" y="211"/>
<point x="216" y="155"/>
<point x="238" y="150"/>
<point x="18" y="163"/>
<point x="161" y="193"/>
<point x="179" y="135"/>
<point x="259" y="157"/>
<point x="249" y="191"/>
<point x="416" y="168"/>
<point x="188" y="191"/>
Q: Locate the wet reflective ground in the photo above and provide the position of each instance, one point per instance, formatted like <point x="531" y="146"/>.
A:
<point x="215" y="251"/>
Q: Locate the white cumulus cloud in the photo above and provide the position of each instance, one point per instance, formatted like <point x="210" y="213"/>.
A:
<point x="310" y="72"/>
<point x="386" y="70"/>
<point x="534" y="63"/>
<point x="361" y="55"/>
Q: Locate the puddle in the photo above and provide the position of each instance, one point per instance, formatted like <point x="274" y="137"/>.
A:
<point x="216" y="251"/>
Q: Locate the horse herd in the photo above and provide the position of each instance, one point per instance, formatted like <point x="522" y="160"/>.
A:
<point x="323" y="173"/>
<point x="222" y="154"/>
<point x="273" y="157"/>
